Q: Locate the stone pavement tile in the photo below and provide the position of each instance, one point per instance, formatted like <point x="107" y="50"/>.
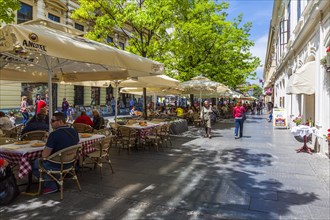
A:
<point x="283" y="209"/>
<point x="27" y="207"/>
<point x="320" y="212"/>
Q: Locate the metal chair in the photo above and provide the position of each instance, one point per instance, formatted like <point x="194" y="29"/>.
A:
<point x="66" y="159"/>
<point x="34" y="135"/>
<point x="101" y="155"/>
<point x="82" y="128"/>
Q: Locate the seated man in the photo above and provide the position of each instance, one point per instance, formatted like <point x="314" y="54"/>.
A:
<point x="135" y="112"/>
<point x="98" y="120"/>
<point x="38" y="124"/>
<point x="62" y="137"/>
<point x="85" y="119"/>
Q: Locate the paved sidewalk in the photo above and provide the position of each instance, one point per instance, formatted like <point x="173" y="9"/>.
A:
<point x="259" y="176"/>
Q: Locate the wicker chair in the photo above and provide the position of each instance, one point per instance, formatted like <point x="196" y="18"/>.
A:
<point x="105" y="131"/>
<point x="101" y="155"/>
<point x="154" y="138"/>
<point x="82" y="128"/>
<point x="66" y="159"/>
<point x="10" y="133"/>
<point x="165" y="133"/>
<point x="7" y="140"/>
<point x="126" y="138"/>
<point x="196" y="120"/>
<point x="34" y="135"/>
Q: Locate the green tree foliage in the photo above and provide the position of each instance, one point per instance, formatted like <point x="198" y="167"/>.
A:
<point x="257" y="90"/>
<point x="7" y="10"/>
<point x="189" y="37"/>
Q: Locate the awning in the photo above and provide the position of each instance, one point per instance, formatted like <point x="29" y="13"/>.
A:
<point x="303" y="80"/>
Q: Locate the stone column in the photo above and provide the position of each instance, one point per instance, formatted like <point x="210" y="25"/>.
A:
<point x="41" y="12"/>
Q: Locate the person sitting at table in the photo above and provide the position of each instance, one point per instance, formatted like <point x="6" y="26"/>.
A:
<point x="62" y="137"/>
<point x="179" y="111"/>
<point x="39" y="123"/>
<point x="98" y="120"/>
<point x="85" y="119"/>
<point x="5" y="123"/>
<point x="133" y="111"/>
<point x="43" y="111"/>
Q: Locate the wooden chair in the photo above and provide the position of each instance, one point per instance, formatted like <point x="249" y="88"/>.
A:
<point x="66" y="159"/>
<point x="82" y="128"/>
<point x="34" y="135"/>
<point x="126" y="138"/>
<point x="7" y="140"/>
<point x="101" y="155"/>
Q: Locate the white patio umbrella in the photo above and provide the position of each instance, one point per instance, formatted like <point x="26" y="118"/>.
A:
<point x="151" y="91"/>
<point x="44" y="50"/>
<point x="202" y="86"/>
<point x="155" y="83"/>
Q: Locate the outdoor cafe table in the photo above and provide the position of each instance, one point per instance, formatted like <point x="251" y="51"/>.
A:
<point x="23" y="154"/>
<point x="142" y="131"/>
<point x="303" y="131"/>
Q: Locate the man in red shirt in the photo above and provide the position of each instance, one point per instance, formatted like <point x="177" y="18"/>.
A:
<point x="41" y="104"/>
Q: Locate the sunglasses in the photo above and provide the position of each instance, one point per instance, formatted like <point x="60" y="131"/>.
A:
<point x="53" y="120"/>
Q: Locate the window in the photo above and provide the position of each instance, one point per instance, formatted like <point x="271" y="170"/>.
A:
<point x="54" y="17"/>
<point x="284" y="34"/>
<point x="25" y="13"/>
<point x="122" y="45"/>
<point x="109" y="39"/>
<point x="95" y="96"/>
<point x="79" y="27"/>
<point x="78" y="95"/>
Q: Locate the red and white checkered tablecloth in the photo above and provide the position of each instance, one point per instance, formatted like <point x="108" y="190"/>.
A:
<point x="23" y="159"/>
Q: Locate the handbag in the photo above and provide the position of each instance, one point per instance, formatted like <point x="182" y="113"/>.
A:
<point x="244" y="116"/>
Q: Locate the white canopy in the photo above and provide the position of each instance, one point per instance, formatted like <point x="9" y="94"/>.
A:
<point x="32" y="47"/>
<point x="303" y="80"/>
<point x="150" y="91"/>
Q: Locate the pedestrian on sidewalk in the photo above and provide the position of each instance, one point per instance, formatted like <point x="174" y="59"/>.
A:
<point x="65" y="107"/>
<point x="238" y="113"/>
<point x="24" y="110"/>
<point x="206" y="118"/>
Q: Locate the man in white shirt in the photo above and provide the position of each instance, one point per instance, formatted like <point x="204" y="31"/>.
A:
<point x="5" y="123"/>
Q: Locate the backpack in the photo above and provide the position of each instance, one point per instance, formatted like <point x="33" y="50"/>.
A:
<point x="8" y="187"/>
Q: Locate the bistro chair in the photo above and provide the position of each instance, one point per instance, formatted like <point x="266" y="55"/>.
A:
<point x="66" y="159"/>
<point x="126" y="138"/>
<point x="165" y="133"/>
<point x="196" y="120"/>
<point x="106" y="123"/>
<point x="113" y="128"/>
<point x="100" y="156"/>
<point x="7" y="140"/>
<point x="9" y="133"/>
<point x="34" y="135"/>
<point x="104" y="131"/>
<point x="82" y="128"/>
<point x="154" y="138"/>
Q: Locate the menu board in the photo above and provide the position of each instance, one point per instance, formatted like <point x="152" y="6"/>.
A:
<point x="279" y="118"/>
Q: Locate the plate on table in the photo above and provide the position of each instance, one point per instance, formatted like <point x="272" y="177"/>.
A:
<point x="83" y="135"/>
<point x="21" y="142"/>
<point x="38" y="144"/>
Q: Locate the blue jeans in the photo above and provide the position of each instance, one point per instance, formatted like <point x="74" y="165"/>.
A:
<point x="25" y="117"/>
<point x="239" y="125"/>
<point x="48" y="166"/>
<point x="270" y="117"/>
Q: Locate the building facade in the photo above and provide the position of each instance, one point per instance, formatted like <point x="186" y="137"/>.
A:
<point x="58" y="11"/>
<point x="294" y="71"/>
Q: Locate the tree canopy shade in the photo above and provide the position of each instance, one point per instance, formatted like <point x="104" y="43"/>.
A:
<point x="7" y="10"/>
<point x="189" y="37"/>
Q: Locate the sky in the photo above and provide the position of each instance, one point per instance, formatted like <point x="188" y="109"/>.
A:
<point x="259" y="12"/>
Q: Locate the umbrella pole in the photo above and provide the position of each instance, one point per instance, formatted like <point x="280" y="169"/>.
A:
<point x="50" y="97"/>
<point x="116" y="98"/>
<point x="145" y="103"/>
<point x="200" y="100"/>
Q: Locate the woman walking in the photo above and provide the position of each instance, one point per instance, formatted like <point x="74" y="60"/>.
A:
<point x="24" y="110"/>
<point x="206" y="112"/>
<point x="238" y="113"/>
